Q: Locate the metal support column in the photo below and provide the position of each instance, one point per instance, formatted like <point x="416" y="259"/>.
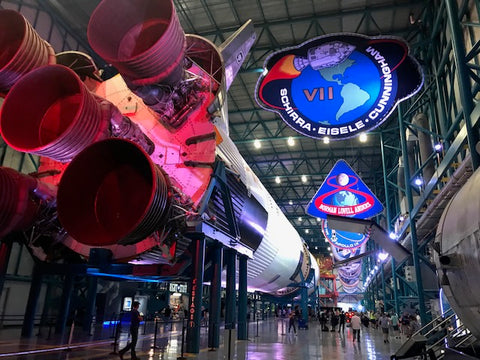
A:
<point x="304" y="302"/>
<point x="35" y="288"/>
<point x="242" y="298"/>
<point x="215" y="298"/>
<point x="5" y="251"/>
<point x="464" y="84"/>
<point x="230" y="298"/>
<point x="196" y="290"/>
<point x="413" y="229"/>
<point x="396" y="305"/>
<point x="91" y="297"/>
<point x="384" y="293"/>
<point x="64" y="310"/>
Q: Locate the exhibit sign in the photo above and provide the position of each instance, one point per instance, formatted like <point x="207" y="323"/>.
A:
<point x="339" y="85"/>
<point x="343" y="193"/>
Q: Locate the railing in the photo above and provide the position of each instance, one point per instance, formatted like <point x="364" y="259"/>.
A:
<point x="440" y="336"/>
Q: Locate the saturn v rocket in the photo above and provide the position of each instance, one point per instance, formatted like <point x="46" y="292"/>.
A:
<point x="127" y="164"/>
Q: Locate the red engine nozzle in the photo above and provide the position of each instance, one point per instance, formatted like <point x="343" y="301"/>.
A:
<point x="50" y="112"/>
<point x="143" y="39"/>
<point x="22" y="49"/>
<point x="112" y="193"/>
<point x="18" y="208"/>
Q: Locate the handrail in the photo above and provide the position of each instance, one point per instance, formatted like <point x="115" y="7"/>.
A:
<point x="446" y="320"/>
<point x="433" y="321"/>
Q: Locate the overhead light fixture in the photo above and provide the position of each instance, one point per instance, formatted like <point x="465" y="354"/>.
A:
<point x="392" y="235"/>
<point x="304" y="178"/>
<point x="331" y="254"/>
<point x="363" y="137"/>
<point x="290" y="202"/>
<point x="277" y="179"/>
<point x="318" y="219"/>
<point x="382" y="256"/>
<point x="328" y="248"/>
<point x="438" y="147"/>
<point x="326" y="140"/>
<point x="290" y="141"/>
<point x="316" y="247"/>
<point x="257" y="144"/>
<point x="307" y="231"/>
<point x="299" y="218"/>
<point x="418" y="181"/>
<point x="376" y="267"/>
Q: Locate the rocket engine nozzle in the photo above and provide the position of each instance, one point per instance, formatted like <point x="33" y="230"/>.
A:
<point x="143" y="39"/>
<point x="145" y="42"/>
<point x="18" y="208"/>
<point x="50" y="112"/>
<point x="22" y="49"/>
<point x="62" y="117"/>
<point x="112" y="193"/>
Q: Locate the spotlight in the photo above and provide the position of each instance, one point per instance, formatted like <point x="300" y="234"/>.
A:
<point x="363" y="137"/>
<point x="304" y="178"/>
<point x="326" y="140"/>
<point x="392" y="235"/>
<point x="438" y="147"/>
<point x="277" y="180"/>
<point x="290" y="141"/>
<point x="299" y="218"/>
<point x="257" y="144"/>
<point x="290" y="202"/>
<point x="419" y="181"/>
<point x="382" y="256"/>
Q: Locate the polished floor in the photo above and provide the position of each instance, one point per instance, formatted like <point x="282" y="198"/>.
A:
<point x="268" y="339"/>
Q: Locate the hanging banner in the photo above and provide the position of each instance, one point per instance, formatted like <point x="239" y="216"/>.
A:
<point x="343" y="193"/>
<point x="339" y="85"/>
<point x="341" y="254"/>
<point x="344" y="239"/>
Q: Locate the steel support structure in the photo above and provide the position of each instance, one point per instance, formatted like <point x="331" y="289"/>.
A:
<point x="242" y="298"/>
<point x="413" y="231"/>
<point x="215" y="297"/>
<point x="230" y="257"/>
<point x="196" y="290"/>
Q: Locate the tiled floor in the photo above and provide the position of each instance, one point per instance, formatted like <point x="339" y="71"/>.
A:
<point x="271" y="342"/>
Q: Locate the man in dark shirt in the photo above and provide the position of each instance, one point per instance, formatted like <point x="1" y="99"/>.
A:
<point x="341" y="322"/>
<point x="134" y="325"/>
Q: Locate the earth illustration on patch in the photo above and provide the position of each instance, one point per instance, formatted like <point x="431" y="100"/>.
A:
<point x="353" y="83"/>
<point x="339" y="85"/>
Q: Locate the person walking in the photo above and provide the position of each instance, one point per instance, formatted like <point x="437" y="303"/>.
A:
<point x="291" y="322"/>
<point x="341" y="321"/>
<point x="355" y="322"/>
<point x="384" y="323"/>
<point x="135" y="319"/>
<point x="333" y="320"/>
<point x="395" y="322"/>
